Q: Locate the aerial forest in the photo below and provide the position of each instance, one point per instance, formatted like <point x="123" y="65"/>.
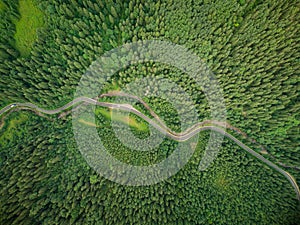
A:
<point x="251" y="46"/>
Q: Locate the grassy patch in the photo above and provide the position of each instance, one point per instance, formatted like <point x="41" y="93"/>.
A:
<point x="31" y="18"/>
<point x="87" y="123"/>
<point x="2" y="7"/>
<point x="12" y="128"/>
<point x="120" y="117"/>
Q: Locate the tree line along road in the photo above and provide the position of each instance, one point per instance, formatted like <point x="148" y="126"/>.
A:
<point x="159" y="125"/>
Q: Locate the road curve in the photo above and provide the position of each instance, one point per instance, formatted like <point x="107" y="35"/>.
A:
<point x="183" y="136"/>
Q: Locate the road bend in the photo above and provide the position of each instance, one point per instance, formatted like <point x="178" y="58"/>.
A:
<point x="183" y="136"/>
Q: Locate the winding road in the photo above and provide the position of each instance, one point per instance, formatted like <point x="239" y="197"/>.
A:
<point x="183" y="136"/>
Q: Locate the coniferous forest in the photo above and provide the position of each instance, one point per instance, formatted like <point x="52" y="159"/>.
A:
<point x="252" y="48"/>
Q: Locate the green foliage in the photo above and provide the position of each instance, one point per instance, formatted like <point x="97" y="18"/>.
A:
<point x="31" y="19"/>
<point x="53" y="184"/>
<point x="93" y="179"/>
<point x="123" y="118"/>
<point x="12" y="128"/>
<point x="2" y="7"/>
<point x="251" y="46"/>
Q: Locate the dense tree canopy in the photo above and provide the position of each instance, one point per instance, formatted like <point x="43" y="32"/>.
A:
<point x="252" y="47"/>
